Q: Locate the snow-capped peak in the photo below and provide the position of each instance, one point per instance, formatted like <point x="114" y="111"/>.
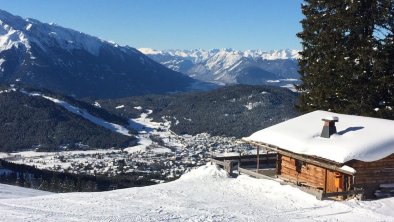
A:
<point x="16" y="31"/>
<point x="149" y="51"/>
<point x="202" y="54"/>
<point x="229" y="66"/>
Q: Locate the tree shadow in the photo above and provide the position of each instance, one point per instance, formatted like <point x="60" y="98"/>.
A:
<point x="349" y="129"/>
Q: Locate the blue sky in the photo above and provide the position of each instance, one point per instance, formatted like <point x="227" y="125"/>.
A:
<point x="174" y="24"/>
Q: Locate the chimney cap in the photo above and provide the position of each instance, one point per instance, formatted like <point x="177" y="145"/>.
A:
<point x="331" y="119"/>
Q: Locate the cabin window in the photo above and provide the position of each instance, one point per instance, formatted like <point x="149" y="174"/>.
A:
<point x="298" y="165"/>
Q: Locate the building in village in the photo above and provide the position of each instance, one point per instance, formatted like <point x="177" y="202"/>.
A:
<point x="334" y="154"/>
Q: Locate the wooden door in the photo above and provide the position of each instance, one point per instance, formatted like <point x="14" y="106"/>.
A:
<point x="334" y="182"/>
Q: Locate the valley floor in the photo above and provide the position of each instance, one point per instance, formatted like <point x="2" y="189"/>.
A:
<point x="204" y="194"/>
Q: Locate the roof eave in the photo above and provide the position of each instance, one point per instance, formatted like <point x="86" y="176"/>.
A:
<point x="315" y="160"/>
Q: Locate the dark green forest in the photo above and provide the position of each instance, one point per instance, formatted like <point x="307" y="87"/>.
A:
<point x="32" y="122"/>
<point x="218" y="112"/>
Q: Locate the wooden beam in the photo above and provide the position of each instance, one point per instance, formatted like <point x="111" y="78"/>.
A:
<point x="258" y="159"/>
<point x="218" y="162"/>
<point x="277" y="166"/>
<point x="270" y="156"/>
<point x="325" y="181"/>
<point x="308" y="159"/>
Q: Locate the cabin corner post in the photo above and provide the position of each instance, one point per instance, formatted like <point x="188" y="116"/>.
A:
<point x="258" y="159"/>
<point x="239" y="159"/>
<point x="325" y="181"/>
<point x="278" y="164"/>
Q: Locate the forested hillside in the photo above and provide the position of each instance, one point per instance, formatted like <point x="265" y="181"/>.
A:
<point x="237" y="110"/>
<point x="28" y="122"/>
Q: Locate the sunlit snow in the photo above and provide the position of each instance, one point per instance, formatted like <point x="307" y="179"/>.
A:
<point x="204" y="194"/>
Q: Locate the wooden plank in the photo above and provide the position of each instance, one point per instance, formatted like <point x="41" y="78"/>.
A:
<point x="289" y="165"/>
<point x="297" y="178"/>
<point x="271" y="156"/>
<point x="278" y="164"/>
<point x="218" y="162"/>
<point x="258" y="159"/>
<point x="325" y="181"/>
<point x="304" y="169"/>
<point x="380" y="168"/>
<point x="309" y="159"/>
<point x="375" y="174"/>
<point x="381" y="161"/>
<point x="307" y="173"/>
<point x="372" y="181"/>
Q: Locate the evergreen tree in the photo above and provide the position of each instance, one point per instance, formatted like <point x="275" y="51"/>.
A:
<point x="387" y="51"/>
<point x="346" y="57"/>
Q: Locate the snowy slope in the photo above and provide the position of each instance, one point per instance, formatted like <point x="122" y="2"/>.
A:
<point x="14" y="192"/>
<point x="229" y="66"/>
<point x="205" y="194"/>
<point x="86" y="115"/>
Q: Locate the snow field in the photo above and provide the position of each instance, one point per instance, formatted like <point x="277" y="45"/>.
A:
<point x="204" y="194"/>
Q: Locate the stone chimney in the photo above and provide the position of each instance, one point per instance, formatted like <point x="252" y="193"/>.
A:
<point x="329" y="126"/>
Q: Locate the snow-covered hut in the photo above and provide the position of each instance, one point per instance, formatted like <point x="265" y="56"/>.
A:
<point x="341" y="156"/>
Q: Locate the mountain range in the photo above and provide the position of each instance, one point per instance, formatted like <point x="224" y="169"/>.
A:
<point x="228" y="66"/>
<point x="60" y="59"/>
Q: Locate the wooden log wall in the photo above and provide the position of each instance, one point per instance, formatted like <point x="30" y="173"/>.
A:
<point x="305" y="174"/>
<point x="369" y="175"/>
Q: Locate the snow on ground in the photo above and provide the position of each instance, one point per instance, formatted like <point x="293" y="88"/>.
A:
<point x="204" y="194"/>
<point x="291" y="87"/>
<point x="13" y="192"/>
<point x="23" y="154"/>
<point x="7" y="90"/>
<point x="4" y="155"/>
<point x="251" y="106"/>
<point x="2" y="61"/>
<point x="145" y="126"/>
<point x="111" y="126"/>
<point x="56" y="160"/>
<point x="97" y="104"/>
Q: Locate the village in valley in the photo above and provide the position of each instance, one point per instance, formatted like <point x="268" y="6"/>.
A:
<point x="160" y="153"/>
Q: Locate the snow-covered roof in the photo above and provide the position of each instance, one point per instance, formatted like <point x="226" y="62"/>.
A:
<point x="361" y="138"/>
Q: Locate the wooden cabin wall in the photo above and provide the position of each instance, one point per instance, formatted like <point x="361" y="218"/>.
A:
<point x="369" y="175"/>
<point x="301" y="172"/>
